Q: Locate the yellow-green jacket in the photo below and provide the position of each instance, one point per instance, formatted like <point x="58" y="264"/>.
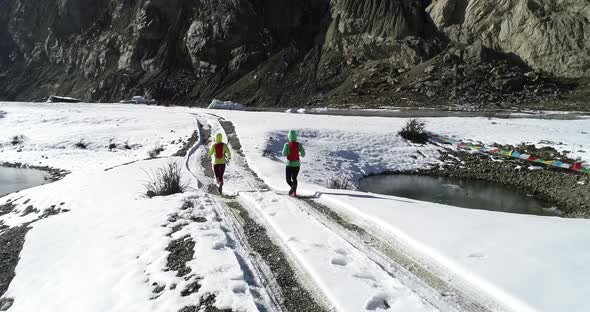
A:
<point x="224" y="152"/>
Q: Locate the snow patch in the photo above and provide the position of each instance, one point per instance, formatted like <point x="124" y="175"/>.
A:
<point x="477" y="248"/>
<point x="226" y="105"/>
<point x="62" y="99"/>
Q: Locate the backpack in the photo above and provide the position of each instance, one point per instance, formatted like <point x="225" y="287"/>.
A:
<point x="293" y="151"/>
<point x="219" y="147"/>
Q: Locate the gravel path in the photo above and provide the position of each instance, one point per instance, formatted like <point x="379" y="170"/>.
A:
<point x="271" y="261"/>
<point x="427" y="283"/>
<point x="11" y="244"/>
<point x="294" y="296"/>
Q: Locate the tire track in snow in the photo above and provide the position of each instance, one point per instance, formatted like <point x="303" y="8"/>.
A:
<point x="425" y="291"/>
<point x="253" y="257"/>
<point x="396" y="262"/>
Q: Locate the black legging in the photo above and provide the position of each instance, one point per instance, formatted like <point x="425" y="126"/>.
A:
<point x="219" y="171"/>
<point x="292" y="173"/>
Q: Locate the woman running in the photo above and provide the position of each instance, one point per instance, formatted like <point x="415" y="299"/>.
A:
<point x="219" y="151"/>
<point x="293" y="150"/>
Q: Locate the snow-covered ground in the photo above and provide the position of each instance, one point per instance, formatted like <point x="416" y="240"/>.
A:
<point x="526" y="263"/>
<point x="50" y="133"/>
<point x="356" y="146"/>
<point x="106" y="251"/>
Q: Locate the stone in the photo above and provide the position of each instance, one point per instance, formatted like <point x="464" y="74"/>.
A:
<point x="512" y="84"/>
<point x="546" y="34"/>
<point x="429" y="69"/>
<point x="283" y="52"/>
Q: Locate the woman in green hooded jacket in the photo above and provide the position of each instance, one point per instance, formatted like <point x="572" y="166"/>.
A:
<point x="293" y="150"/>
<point x="219" y="151"/>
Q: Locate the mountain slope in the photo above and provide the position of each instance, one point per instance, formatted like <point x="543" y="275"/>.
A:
<point x="296" y="52"/>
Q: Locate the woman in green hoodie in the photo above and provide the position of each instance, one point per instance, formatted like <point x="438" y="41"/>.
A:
<point x="292" y="150"/>
<point x="219" y="151"/>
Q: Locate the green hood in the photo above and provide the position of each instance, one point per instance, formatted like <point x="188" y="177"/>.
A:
<point x="292" y="136"/>
<point x="219" y="138"/>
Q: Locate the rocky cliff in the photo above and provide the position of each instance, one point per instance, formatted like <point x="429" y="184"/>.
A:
<point x="297" y="52"/>
<point x="549" y="35"/>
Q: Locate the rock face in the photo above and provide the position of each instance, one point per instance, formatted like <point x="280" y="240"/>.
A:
<point x="293" y="52"/>
<point x="552" y="35"/>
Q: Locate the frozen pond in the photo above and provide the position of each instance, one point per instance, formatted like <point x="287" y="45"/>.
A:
<point x="16" y="179"/>
<point x="456" y="192"/>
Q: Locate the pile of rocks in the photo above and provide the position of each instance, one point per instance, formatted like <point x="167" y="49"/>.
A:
<point x="478" y="77"/>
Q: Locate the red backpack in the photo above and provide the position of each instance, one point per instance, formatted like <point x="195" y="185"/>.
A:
<point x="219" y="150"/>
<point x="293" y="151"/>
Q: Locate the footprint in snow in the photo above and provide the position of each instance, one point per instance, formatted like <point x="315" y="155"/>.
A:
<point x="377" y="302"/>
<point x="218" y="246"/>
<point x="341" y="251"/>
<point x="365" y="276"/>
<point x="477" y="255"/>
<point x="239" y="289"/>
<point x="340" y="261"/>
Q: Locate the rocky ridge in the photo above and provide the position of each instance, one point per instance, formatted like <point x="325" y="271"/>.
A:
<point x="443" y="53"/>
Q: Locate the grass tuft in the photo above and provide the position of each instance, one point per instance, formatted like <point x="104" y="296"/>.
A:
<point x="81" y="144"/>
<point x="154" y="152"/>
<point x="165" y="181"/>
<point x="17" y="139"/>
<point x="342" y="183"/>
<point x="414" y="131"/>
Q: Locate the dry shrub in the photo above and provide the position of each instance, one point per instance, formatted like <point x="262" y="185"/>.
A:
<point x="165" y="181"/>
<point x="414" y="131"/>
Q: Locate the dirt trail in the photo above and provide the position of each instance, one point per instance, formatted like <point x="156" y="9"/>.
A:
<point x="428" y="284"/>
<point x="266" y="261"/>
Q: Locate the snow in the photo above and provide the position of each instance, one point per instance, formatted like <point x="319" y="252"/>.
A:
<point x="345" y="275"/>
<point x="217" y="104"/>
<point x="349" y="279"/>
<point x="336" y="146"/>
<point x="524" y="263"/>
<point x="106" y="250"/>
<point x="105" y="254"/>
<point x="58" y="99"/>
<point x="563" y="135"/>
<point x="107" y="247"/>
<point x="139" y="99"/>
<point x="51" y="132"/>
<point x="529" y="263"/>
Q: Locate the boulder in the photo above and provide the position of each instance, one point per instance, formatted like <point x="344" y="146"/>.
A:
<point x="551" y="35"/>
<point x="62" y="99"/>
<point x="227" y="105"/>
